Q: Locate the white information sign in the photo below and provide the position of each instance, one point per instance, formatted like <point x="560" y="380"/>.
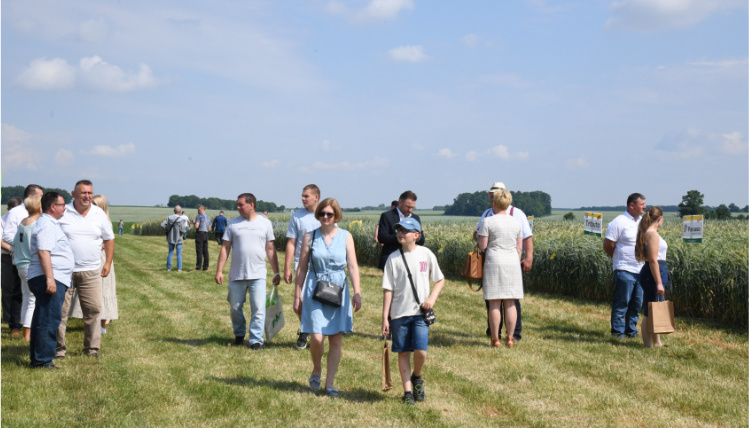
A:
<point x="694" y="225"/>
<point x="593" y="224"/>
<point x="530" y="222"/>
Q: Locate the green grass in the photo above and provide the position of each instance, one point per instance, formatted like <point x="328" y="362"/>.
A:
<point x="166" y="362"/>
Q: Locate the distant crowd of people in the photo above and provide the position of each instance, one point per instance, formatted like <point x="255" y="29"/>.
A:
<point x="57" y="262"/>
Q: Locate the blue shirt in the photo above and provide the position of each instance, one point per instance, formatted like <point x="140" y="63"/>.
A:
<point x="219" y="224"/>
<point x="48" y="236"/>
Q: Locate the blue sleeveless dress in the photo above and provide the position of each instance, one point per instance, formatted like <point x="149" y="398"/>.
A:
<point x="330" y="263"/>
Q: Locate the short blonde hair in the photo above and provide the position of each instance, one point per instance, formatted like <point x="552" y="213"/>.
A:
<point x="101" y="202"/>
<point x="330" y="202"/>
<point x="33" y="204"/>
<point x="502" y="199"/>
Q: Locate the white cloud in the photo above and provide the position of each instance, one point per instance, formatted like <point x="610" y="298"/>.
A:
<point x="93" y="72"/>
<point x="472" y="155"/>
<point x="723" y="64"/>
<point x="18" y="152"/>
<point x="99" y="74"/>
<point x="43" y="74"/>
<point x="408" y="54"/>
<point x="502" y="152"/>
<point x="111" y="152"/>
<point x="374" y="11"/>
<point x="445" y="153"/>
<point x="376" y="163"/>
<point x="470" y="40"/>
<point x="271" y="164"/>
<point x="652" y="15"/>
<point x="578" y="163"/>
<point x="733" y="143"/>
<point x="64" y="157"/>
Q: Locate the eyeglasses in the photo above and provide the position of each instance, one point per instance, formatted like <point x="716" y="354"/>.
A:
<point x="326" y="214"/>
<point x="59" y="205"/>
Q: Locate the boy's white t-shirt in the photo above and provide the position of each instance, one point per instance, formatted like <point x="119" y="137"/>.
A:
<point x="423" y="265"/>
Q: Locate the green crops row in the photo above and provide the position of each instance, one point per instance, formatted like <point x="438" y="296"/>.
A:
<point x="710" y="280"/>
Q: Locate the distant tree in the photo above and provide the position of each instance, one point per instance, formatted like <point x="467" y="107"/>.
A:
<point x="536" y="203"/>
<point x="722" y="212"/>
<point x="471" y="204"/>
<point x="691" y="203"/>
<point x="741" y="217"/>
<point x="569" y="216"/>
<point x="709" y="215"/>
<point x="746" y="209"/>
<point x="734" y="208"/>
<point x="13" y="191"/>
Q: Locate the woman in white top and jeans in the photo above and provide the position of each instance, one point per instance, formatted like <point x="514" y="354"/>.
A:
<point x="651" y="248"/>
<point x="22" y="259"/>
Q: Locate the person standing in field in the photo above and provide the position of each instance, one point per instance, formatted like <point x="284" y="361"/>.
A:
<point x="386" y="232"/>
<point x="302" y="221"/>
<point x="88" y="228"/>
<point x="186" y="219"/>
<point x="218" y="227"/>
<point x="251" y="237"/>
<point x="202" y="222"/>
<point x="50" y="273"/>
<point x="526" y="263"/>
<point x="621" y="238"/>
<point x="120" y="226"/>
<point x="175" y="228"/>
<point x="377" y="226"/>
<point x="22" y="259"/>
<point x="406" y="272"/>
<point x="328" y="250"/>
<point x="651" y="248"/>
<point x="12" y="295"/>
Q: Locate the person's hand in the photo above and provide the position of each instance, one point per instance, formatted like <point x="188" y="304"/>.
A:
<point x="385" y="327"/>
<point x="475" y="234"/>
<point x="287" y="276"/>
<point x="51" y="286"/>
<point x="526" y="264"/>
<point x="105" y="271"/>
<point x="220" y="278"/>
<point x="357" y="302"/>
<point x="428" y="304"/>
<point x="276" y="278"/>
<point x="298" y="306"/>
<point x="661" y="291"/>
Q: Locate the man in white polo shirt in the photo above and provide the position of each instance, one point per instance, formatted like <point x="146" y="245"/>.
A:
<point x="87" y="228"/>
<point x="525" y="263"/>
<point x="621" y="237"/>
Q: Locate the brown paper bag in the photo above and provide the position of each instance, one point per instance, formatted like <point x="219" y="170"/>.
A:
<point x="661" y="317"/>
<point x="387" y="381"/>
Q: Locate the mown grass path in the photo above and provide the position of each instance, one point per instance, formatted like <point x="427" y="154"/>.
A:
<point x="166" y="362"/>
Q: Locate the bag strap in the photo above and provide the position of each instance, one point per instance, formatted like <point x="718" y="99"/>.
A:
<point x="413" y="287"/>
<point x="172" y="226"/>
<point x="312" y="244"/>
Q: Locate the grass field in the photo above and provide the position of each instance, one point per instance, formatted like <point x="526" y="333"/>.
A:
<point x="166" y="362"/>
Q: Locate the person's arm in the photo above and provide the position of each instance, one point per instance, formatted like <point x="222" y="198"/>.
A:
<point x="6" y="247"/>
<point x="653" y="242"/>
<point x="527" y="261"/>
<point x="223" y="255"/>
<point x="270" y="251"/>
<point x="301" y="272"/>
<point x="429" y="303"/>
<point x="108" y="256"/>
<point x="377" y="227"/>
<point x="609" y="246"/>
<point x="422" y="235"/>
<point x="290" y="250"/>
<point x="482" y="241"/>
<point x="353" y="271"/>
<point x="519" y="247"/>
<point x="45" y="260"/>
<point x="387" y="298"/>
<point x="213" y="224"/>
<point x="386" y="234"/>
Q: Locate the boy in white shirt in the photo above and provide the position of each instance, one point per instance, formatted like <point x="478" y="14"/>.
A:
<point x="410" y="332"/>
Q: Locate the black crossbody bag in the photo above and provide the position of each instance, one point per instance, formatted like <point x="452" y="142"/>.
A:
<point x="428" y="316"/>
<point x="325" y="292"/>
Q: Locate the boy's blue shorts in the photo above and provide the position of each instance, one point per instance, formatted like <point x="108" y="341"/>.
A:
<point x="409" y="334"/>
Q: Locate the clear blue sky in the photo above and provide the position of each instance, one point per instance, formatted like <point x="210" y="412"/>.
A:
<point x="588" y="101"/>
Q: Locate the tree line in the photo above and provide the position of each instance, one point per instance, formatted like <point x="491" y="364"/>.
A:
<point x="192" y="201"/>
<point x="536" y="203"/>
<point x="691" y="204"/>
<point x="9" y="192"/>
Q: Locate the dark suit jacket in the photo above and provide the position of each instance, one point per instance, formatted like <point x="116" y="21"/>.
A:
<point x="386" y="234"/>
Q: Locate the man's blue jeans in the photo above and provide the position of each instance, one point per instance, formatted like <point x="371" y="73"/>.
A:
<point x="627" y="304"/>
<point x="179" y="256"/>
<point x="46" y="321"/>
<point x="237" y="292"/>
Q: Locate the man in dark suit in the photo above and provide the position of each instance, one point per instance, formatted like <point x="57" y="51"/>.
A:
<point x="386" y="234"/>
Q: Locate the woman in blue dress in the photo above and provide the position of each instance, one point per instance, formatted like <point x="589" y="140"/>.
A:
<point x="330" y="250"/>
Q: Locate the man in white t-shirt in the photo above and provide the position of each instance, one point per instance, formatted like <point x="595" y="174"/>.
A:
<point x="621" y="237"/>
<point x="251" y="237"/>
<point x="87" y="228"/>
<point x="525" y="263"/>
<point x="302" y="221"/>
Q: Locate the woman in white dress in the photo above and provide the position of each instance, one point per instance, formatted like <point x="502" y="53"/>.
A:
<point x="501" y="236"/>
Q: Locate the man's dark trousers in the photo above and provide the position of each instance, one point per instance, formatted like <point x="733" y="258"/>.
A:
<point x="201" y="249"/>
<point x="12" y="295"/>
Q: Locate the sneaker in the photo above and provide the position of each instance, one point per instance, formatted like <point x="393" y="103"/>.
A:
<point x="257" y="346"/>
<point x="418" y="384"/>
<point x="408" y="399"/>
<point x="93" y="354"/>
<point x="103" y="330"/>
<point x="238" y="340"/>
<point x="301" y="341"/>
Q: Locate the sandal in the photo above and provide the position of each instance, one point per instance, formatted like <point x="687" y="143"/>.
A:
<point x="314" y="383"/>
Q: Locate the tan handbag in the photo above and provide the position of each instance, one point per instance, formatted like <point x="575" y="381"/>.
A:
<point x="661" y="317"/>
<point x="473" y="268"/>
<point x="387" y="381"/>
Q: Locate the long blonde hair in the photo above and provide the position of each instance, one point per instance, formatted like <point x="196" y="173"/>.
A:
<point x="101" y="202"/>
<point x="650" y="218"/>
